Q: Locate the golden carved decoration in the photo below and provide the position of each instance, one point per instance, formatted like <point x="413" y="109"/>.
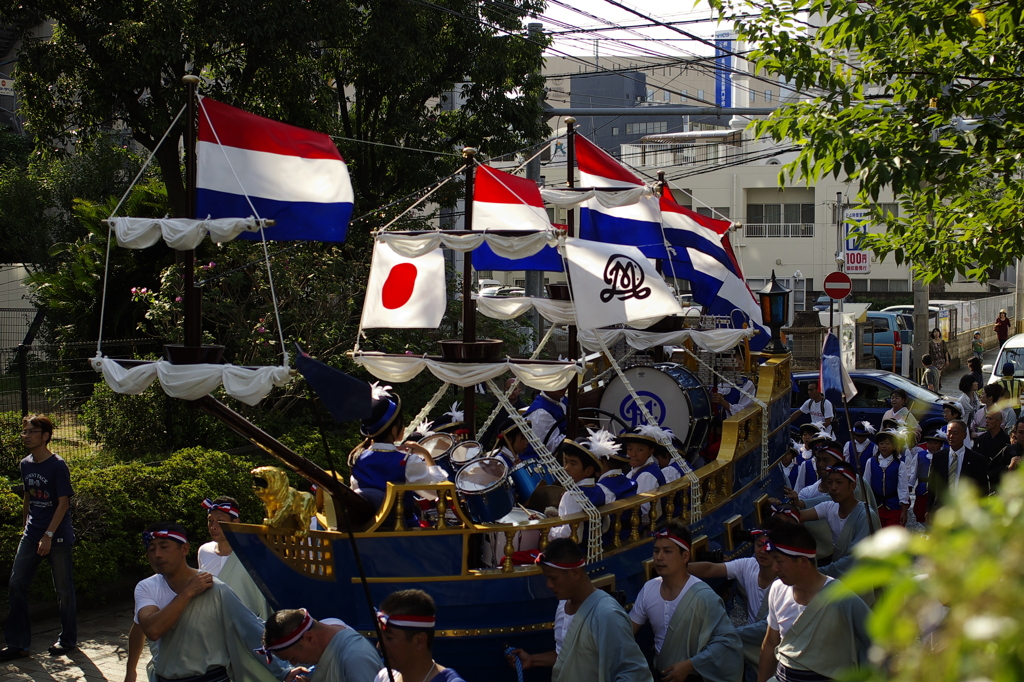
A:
<point x="286" y="507"/>
<point x="312" y="556"/>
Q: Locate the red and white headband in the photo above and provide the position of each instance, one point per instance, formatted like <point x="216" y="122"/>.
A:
<point x="791" y="551"/>
<point x="544" y="560"/>
<point x="148" y="536"/>
<point x="291" y="639"/>
<point x="406" y="621"/>
<point x="226" y="507"/>
<point x="664" y="533"/>
<point x="845" y="471"/>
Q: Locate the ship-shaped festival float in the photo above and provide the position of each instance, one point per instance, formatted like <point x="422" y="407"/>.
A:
<point x="618" y="313"/>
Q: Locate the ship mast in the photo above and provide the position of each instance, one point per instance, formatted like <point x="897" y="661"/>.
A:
<point x="573" y="352"/>
<point x="468" y="305"/>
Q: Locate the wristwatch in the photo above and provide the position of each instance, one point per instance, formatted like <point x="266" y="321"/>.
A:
<point x="49" y="533"/>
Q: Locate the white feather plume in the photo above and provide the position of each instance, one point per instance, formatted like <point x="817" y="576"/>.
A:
<point x="655" y="432"/>
<point x="867" y="426"/>
<point x="423" y="428"/>
<point x="824" y="434"/>
<point x="378" y="392"/>
<point x="455" y="414"/>
<point x="602" y="443"/>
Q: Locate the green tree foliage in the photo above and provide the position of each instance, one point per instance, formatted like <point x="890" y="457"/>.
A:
<point x="375" y="72"/>
<point x="919" y="96"/>
<point x="951" y="599"/>
<point x="113" y="505"/>
<point x="70" y="286"/>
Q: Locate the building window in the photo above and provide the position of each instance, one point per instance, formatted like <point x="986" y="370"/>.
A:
<point x="879" y="285"/>
<point x="899" y="285"/>
<point x="700" y="94"/>
<point x="685" y="96"/>
<point x="780" y="220"/>
<point x="615" y="130"/>
<point x="753" y="95"/>
<point x="668" y="96"/>
<point x="859" y="284"/>
<point x="767" y="95"/>
<point x="648" y="128"/>
<point x="718" y="213"/>
<point x="485" y="274"/>
<point x="650" y="95"/>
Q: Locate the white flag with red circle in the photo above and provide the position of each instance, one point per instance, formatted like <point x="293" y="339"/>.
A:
<point x="404" y="293"/>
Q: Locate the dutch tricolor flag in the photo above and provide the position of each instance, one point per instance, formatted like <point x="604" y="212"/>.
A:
<point x="637" y="224"/>
<point x="291" y="175"/>
<point x="502" y="201"/>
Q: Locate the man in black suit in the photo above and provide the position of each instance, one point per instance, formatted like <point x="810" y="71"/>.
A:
<point x="964" y="462"/>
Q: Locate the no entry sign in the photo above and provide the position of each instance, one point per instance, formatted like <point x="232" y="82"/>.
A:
<point x="838" y="285"/>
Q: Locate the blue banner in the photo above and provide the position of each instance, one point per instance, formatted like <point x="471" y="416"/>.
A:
<point x="724" y="42"/>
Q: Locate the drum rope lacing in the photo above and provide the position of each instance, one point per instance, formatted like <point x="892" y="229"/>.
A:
<point x="594" y="549"/>
<point x="425" y="411"/>
<point x="497" y="408"/>
<point x="695" y="497"/>
<point x="765" y="458"/>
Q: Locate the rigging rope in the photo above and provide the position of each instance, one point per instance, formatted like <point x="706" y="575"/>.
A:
<point x="110" y="228"/>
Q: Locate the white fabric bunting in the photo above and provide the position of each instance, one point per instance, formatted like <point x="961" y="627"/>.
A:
<point x="565" y="198"/>
<point x="180" y="233"/>
<point x="552" y="310"/>
<point x="191" y="382"/>
<point x="415" y="245"/>
<point x="402" y="368"/>
<point x="714" y="340"/>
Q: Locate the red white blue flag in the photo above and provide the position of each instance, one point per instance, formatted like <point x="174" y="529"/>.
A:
<point x="502" y="201"/>
<point x="637" y="224"/>
<point x="288" y="174"/>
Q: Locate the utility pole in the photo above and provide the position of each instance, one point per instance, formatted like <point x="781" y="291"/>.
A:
<point x="535" y="278"/>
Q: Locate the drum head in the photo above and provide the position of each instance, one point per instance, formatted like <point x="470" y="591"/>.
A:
<point x="661" y="393"/>
<point x="464" y="452"/>
<point x="481" y="476"/>
<point x="437" y="445"/>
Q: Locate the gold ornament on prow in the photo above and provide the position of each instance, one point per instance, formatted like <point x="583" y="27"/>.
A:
<point x="285" y="506"/>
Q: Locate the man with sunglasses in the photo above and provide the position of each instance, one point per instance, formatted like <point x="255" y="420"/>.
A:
<point x="47" y="534"/>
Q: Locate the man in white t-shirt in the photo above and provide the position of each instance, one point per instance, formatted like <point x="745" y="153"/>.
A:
<point x="692" y="631"/>
<point x="816" y="627"/>
<point x="203" y="629"/>
<point x="818" y="408"/>
<point x="847" y="517"/>
<point x="592" y="633"/>
<point x="754" y="575"/>
<point x="339" y="653"/>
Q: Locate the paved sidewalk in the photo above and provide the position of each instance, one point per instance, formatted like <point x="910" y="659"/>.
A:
<point x="103" y="638"/>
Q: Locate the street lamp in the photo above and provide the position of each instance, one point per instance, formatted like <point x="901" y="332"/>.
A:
<point x="774" y="300"/>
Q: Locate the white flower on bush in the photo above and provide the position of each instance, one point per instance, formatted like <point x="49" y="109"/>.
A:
<point x="986" y="627"/>
<point x="883" y="544"/>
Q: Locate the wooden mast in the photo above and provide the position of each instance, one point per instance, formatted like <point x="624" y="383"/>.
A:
<point x="572" y="345"/>
<point x="468" y="306"/>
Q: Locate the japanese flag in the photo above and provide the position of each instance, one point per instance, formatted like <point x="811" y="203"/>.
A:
<point x="404" y="293"/>
<point x="616" y="284"/>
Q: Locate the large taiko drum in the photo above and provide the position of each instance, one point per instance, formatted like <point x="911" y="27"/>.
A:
<point x="671" y="393"/>
<point x="483" y="486"/>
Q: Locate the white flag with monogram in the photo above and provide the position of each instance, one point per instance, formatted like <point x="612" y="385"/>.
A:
<point x="616" y="284"/>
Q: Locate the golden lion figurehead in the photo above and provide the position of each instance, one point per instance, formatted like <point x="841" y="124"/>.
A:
<point x="270" y="484"/>
<point x="286" y="507"/>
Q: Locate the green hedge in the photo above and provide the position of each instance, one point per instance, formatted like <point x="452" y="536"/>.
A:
<point x="112" y="505"/>
<point x="149" y="425"/>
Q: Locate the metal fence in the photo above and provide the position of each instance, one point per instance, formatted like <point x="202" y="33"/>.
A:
<point x="57" y="380"/>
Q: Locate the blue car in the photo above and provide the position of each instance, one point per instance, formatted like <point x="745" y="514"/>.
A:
<point x="872" y="400"/>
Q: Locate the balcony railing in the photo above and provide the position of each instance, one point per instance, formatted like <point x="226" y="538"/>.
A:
<point x="780" y="229"/>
